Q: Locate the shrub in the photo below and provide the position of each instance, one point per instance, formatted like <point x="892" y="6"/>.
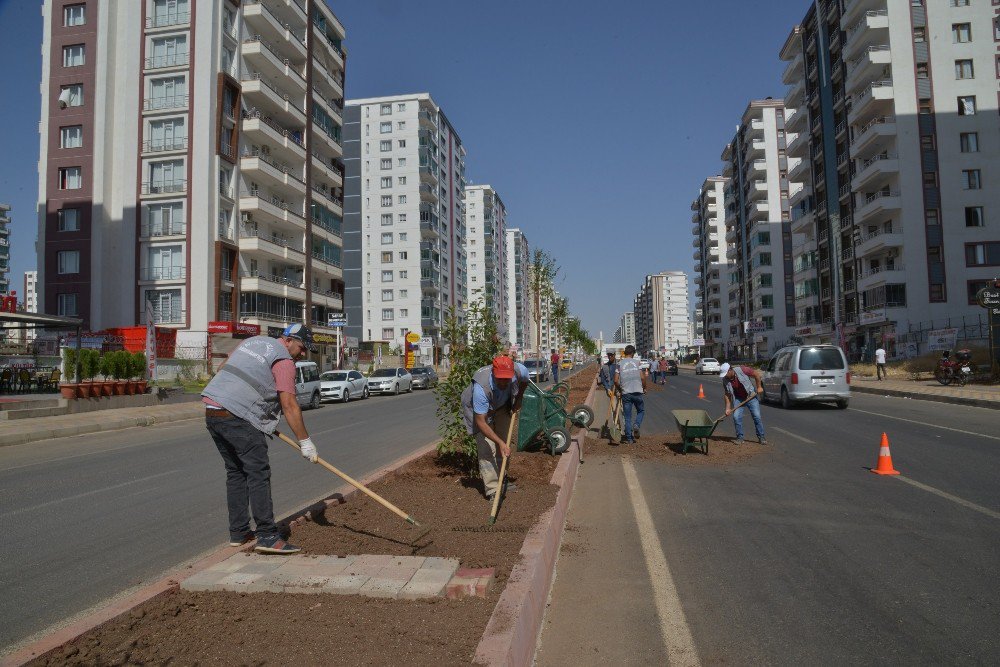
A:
<point x="69" y="353"/>
<point x="90" y="361"/>
<point x="137" y="365"/>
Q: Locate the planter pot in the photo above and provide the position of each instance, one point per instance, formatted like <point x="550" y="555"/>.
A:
<point x="83" y="390"/>
<point x="67" y="390"/>
<point x="142" y="386"/>
<point x="130" y="388"/>
<point x="120" y="386"/>
<point x="107" y="388"/>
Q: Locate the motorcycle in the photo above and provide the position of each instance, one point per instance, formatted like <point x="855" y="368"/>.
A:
<point x="960" y="369"/>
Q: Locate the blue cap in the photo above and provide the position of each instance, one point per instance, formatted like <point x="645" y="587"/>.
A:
<point x="302" y="333"/>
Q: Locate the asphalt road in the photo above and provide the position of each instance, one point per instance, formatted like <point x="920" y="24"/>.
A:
<point x="799" y="555"/>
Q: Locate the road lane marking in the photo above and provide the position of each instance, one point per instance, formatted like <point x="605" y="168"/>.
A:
<point x="914" y="421"/>
<point x="88" y="493"/>
<point x="794" y="435"/>
<point x="673" y="625"/>
<point x="947" y="496"/>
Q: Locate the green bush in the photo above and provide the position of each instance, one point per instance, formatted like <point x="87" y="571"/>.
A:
<point x="118" y="364"/>
<point x="90" y="361"/>
<point x="71" y="358"/>
<point x="137" y="367"/>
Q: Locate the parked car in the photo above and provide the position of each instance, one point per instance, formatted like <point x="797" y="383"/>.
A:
<point x="706" y="365"/>
<point x="307" y="384"/>
<point x="808" y="374"/>
<point x="390" y="381"/>
<point x="672" y="368"/>
<point x="538" y="371"/>
<point x="424" y="377"/>
<point x="343" y="386"/>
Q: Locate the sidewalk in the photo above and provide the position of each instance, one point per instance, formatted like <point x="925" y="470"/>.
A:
<point x="19" y="431"/>
<point x="977" y="395"/>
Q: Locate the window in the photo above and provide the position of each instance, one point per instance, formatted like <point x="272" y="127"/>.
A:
<point x="71" y="95"/>
<point x="386" y="219"/>
<point x="71" y="136"/>
<point x="967" y="105"/>
<point x="401" y="125"/>
<point x="385" y="109"/>
<point x="386" y="181"/>
<point x="403" y="293"/>
<point x="387" y="200"/>
<point x="387" y="333"/>
<point x="402" y="275"/>
<point x="387" y="257"/>
<point x="971" y="179"/>
<point x="73" y="15"/>
<point x="73" y="55"/>
<point x="70" y="178"/>
<point x="167" y="92"/>
<point x="385" y="145"/>
<point x="69" y="219"/>
<point x="67" y="304"/>
<point x="401" y="162"/>
<point x="228" y="60"/>
<point x="402" y="217"/>
<point x="387" y="314"/>
<point x="168" y="51"/>
<point x="970" y="142"/>
<point x="959" y="3"/>
<point x="387" y="295"/>
<point x="920" y="34"/>
<point x="974" y="287"/>
<point x="386" y="237"/>
<point x="386" y="163"/>
<point x="922" y="71"/>
<point x="961" y="32"/>
<point x="385" y="128"/>
<point x="982" y="254"/>
<point x="401" y="199"/>
<point x="401" y="106"/>
<point x="402" y="255"/>
<point x="402" y="236"/>
<point x="401" y="143"/>
<point x="404" y="312"/>
<point x="963" y="69"/>
<point x="387" y="276"/>
<point x="69" y="261"/>
<point x="402" y="180"/>
<point x="974" y="216"/>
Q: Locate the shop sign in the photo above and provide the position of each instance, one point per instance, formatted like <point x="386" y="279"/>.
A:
<point x="351" y="341"/>
<point x="698" y="342"/>
<point x="941" y="339"/>
<point x="754" y="327"/>
<point x="806" y="331"/>
<point x="873" y="316"/>
<point x="237" y="328"/>
<point x="324" y="338"/>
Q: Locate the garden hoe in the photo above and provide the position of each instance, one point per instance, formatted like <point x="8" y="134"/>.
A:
<point x="356" y="484"/>
<point x="503" y="473"/>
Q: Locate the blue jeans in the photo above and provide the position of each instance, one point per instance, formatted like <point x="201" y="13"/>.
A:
<point x="628" y="400"/>
<point x="555" y="373"/>
<point x="754" y="407"/>
<point x="248" y="475"/>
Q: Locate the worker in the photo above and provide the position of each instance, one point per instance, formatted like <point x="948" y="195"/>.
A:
<point x="242" y="403"/>
<point x="488" y="402"/>
<point x="607" y="374"/>
<point x="554" y="360"/>
<point x="630" y="380"/>
<point x="741" y="383"/>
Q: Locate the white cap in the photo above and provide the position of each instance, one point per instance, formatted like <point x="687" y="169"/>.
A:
<point x="723" y="369"/>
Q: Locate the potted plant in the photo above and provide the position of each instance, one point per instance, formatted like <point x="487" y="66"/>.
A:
<point x="104" y="368"/>
<point x="139" y="359"/>
<point x="67" y="389"/>
<point x="119" y="369"/>
<point x="88" y="369"/>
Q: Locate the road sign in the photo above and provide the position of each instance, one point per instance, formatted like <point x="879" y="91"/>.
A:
<point x="336" y="320"/>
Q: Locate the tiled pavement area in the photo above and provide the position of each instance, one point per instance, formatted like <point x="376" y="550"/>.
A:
<point x="983" y="395"/>
<point x="406" y="577"/>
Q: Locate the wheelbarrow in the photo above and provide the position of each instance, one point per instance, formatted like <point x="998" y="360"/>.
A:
<point x="696" y="428"/>
<point x="544" y="419"/>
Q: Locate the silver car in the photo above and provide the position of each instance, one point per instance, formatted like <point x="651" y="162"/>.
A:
<point x="390" y="381"/>
<point x="343" y="386"/>
<point x="808" y="374"/>
<point x="538" y="371"/>
<point x="424" y="377"/>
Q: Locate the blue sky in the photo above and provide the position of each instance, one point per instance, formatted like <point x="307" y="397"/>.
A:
<point x="595" y="121"/>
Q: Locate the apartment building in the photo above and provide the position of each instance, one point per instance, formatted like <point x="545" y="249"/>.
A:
<point x="760" y="297"/>
<point x="711" y="265"/>
<point x="520" y="328"/>
<point x="4" y="248"/>
<point x="897" y="107"/>
<point x="30" y="291"/>
<point x="405" y="221"/>
<point x="662" y="321"/>
<point x="549" y="339"/>
<point x="191" y="157"/>
<point x="486" y="251"/>
<point x="625" y="333"/>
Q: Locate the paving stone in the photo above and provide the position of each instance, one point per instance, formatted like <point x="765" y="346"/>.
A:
<point x="396" y="573"/>
<point x="259" y="567"/>
<point x="307" y="585"/>
<point x="469" y="582"/>
<point x="373" y="560"/>
<point x="205" y="580"/>
<point x="382" y="588"/>
<point x="238" y="582"/>
<point x="298" y="567"/>
<point x="345" y="584"/>
<point x="338" y="560"/>
<point x="423" y="588"/>
<point x="438" y="563"/>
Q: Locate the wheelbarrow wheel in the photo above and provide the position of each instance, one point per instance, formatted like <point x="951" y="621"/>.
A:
<point x="582" y="416"/>
<point x="559" y="439"/>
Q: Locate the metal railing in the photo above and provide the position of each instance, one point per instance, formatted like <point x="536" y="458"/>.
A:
<point x="165" y="316"/>
<point x="327" y="260"/>
<point x="875" y="158"/>
<point x="881" y="193"/>
<point x="162" y="273"/>
<point x="319" y="222"/>
<point x="283" y="205"/>
<point x="174" y="228"/>
<point x="272" y="278"/>
<point x="226" y="274"/>
<point x="878" y="120"/>
<point x="257" y="76"/>
<point x="274" y="52"/>
<point x="277" y="20"/>
<point x="163" y="187"/>
<point x="294" y="135"/>
<point x="172" y="60"/>
<point x="273" y="239"/>
<point x="171" y="18"/>
<point x="155" y="146"/>
<point x="158" y="103"/>
<point x="333" y="199"/>
<point x="271" y="162"/>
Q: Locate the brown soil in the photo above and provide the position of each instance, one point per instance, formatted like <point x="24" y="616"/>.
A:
<point x="666" y="448"/>
<point x="579" y="387"/>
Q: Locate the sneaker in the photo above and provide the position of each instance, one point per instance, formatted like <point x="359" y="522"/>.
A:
<point x="739" y="441"/>
<point x="635" y="433"/>
<point x="628" y="442"/>
<point x="275" y="545"/>
<point x="762" y="440"/>
<point x="240" y="541"/>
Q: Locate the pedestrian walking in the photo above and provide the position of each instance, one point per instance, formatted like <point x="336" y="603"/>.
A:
<point x="880" y="371"/>
<point x="606" y="376"/>
<point x="662" y="367"/>
<point x="554" y="360"/>
<point x="630" y="379"/>
<point x="740" y="383"/>
<point x="242" y="403"/>
<point x="487" y="406"/>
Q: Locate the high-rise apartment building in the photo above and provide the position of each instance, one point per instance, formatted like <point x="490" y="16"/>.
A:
<point x="31" y="291"/>
<point x="4" y="248"/>
<point x="760" y="299"/>
<point x="405" y="221"/>
<point x="662" y="321"/>
<point x="549" y="338"/>
<point x="520" y="330"/>
<point x="625" y="333"/>
<point x="897" y="133"/>
<point x="711" y="265"/>
<point x="191" y="158"/>
<point x="486" y="251"/>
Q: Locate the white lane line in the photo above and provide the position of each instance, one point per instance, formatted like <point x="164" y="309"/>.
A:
<point x="947" y="496"/>
<point x="794" y="435"/>
<point x="673" y="625"/>
<point x="913" y="421"/>
<point x="88" y="493"/>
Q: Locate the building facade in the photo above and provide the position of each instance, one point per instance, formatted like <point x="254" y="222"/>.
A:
<point x="662" y="319"/>
<point x="30" y="291"/>
<point x="520" y="330"/>
<point x="191" y="158"/>
<point x="625" y="333"/>
<point x="486" y="251"/>
<point x="405" y="222"/>
<point x="711" y="267"/>
<point x="897" y="106"/>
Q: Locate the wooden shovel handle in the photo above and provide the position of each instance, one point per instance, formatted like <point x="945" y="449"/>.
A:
<point x="503" y="472"/>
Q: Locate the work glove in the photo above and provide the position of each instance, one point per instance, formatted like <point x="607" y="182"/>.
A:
<point x="309" y="450"/>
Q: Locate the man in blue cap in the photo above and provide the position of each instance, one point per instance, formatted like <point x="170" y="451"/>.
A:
<point x="242" y="403"/>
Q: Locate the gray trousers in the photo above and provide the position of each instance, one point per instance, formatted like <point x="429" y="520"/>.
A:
<point x="489" y="462"/>
<point x="248" y="475"/>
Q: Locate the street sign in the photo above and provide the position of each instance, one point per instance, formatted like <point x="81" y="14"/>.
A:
<point x="336" y="320"/>
<point x="698" y="342"/>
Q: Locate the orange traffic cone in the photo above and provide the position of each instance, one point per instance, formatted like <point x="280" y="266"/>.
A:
<point x="884" y="466"/>
<point x="701" y="391"/>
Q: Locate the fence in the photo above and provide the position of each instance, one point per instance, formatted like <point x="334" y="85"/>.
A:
<point x="972" y="332"/>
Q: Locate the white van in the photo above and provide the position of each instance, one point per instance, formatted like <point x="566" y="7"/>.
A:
<point x="307" y="384"/>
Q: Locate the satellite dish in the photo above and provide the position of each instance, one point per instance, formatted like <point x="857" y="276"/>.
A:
<point x="64" y="98"/>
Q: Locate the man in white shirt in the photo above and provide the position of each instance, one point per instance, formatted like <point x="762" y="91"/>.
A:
<point x="880" y="363"/>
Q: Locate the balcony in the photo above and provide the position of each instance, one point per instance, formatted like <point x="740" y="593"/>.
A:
<point x="165" y="61"/>
<point x="875" y="100"/>
<point x="876" y="203"/>
<point x="875" y="172"/>
<point x="320" y="225"/>
<point x="427" y="119"/>
<point x="329" y="169"/>
<point x="880" y="276"/>
<point x="865" y="28"/>
<point x="164" y="316"/>
<point x="162" y="273"/>
<point x="270" y="62"/>
<point x="799" y="146"/>
<point x="428" y="193"/>
<point x="327" y="264"/>
<point x="279" y="212"/>
<point x="330" y="136"/>
<point x="873" y="135"/>
<point x="758" y="189"/>
<point x="331" y="84"/>
<point x="167" y="19"/>
<point x="757" y="168"/>
<point x="258" y="242"/>
<point x="283" y="141"/>
<point x="271" y="100"/>
<point x="873" y="60"/>
<point x="276" y="285"/>
<point x="759" y="211"/>
<point x="755" y="148"/>
<point x="264" y="169"/>
<point x="167" y="103"/>
<point x="793" y="71"/>
<point x="164" y="187"/>
<point x="696" y="229"/>
<point x="165" y="145"/>
<point x="261" y="19"/>
<point x="878" y="241"/>
<point x="328" y="198"/>
<point x="162" y="229"/>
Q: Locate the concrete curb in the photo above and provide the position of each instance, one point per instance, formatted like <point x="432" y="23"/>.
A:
<point x="512" y="633"/>
<point x="954" y="400"/>
<point x="110" y="424"/>
<point x="172" y="581"/>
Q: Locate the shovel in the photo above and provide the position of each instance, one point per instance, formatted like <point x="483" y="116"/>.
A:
<point x="615" y="428"/>
<point x="750" y="398"/>
<point x="503" y="473"/>
<point x="356" y="484"/>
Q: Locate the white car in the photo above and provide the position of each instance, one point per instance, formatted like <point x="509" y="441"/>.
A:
<point x="307" y="391"/>
<point x="707" y="365"/>
<point x="342" y="386"/>
<point x="390" y="381"/>
<point x="644" y="364"/>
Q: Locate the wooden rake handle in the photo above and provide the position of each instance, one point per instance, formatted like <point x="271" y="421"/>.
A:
<point x="503" y="471"/>
<point x="353" y="482"/>
<point x="753" y="396"/>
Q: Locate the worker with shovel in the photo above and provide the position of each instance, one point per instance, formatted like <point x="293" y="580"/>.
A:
<point x="488" y="403"/>
<point x="242" y="403"/>
<point x="743" y="386"/>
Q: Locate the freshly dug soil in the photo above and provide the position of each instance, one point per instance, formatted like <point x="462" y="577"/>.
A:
<point x="185" y="628"/>
<point x="579" y="387"/>
<point x="666" y="448"/>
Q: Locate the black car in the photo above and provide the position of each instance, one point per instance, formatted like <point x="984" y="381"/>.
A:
<point x="671" y="367"/>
